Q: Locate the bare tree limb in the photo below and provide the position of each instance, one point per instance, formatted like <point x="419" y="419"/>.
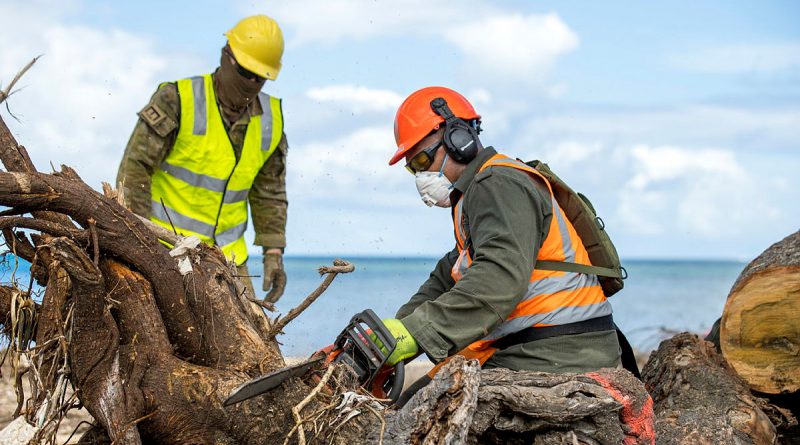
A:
<point x="4" y="94"/>
<point x="339" y="266"/>
<point x="15" y="158"/>
<point x="95" y="242"/>
<point x="19" y="245"/>
<point x="50" y="227"/>
<point x="162" y="233"/>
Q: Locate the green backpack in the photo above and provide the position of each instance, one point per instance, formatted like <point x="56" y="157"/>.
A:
<point x="591" y="229"/>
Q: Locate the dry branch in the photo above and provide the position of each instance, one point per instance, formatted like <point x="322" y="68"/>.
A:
<point x="339" y="266"/>
<point x="44" y="226"/>
<point x="5" y="94"/>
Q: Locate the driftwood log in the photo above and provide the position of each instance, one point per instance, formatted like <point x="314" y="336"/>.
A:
<point x="760" y="328"/>
<point x="698" y="399"/>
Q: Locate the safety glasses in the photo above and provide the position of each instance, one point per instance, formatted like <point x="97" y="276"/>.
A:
<point x="423" y="160"/>
<point x="244" y="72"/>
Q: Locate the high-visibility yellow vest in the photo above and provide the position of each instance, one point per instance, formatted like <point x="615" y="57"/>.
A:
<point x="552" y="297"/>
<point x="200" y="189"/>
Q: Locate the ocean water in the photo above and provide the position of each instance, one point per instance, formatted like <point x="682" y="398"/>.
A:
<point x="659" y="299"/>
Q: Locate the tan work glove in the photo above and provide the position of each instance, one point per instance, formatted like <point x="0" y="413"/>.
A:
<point x="274" y="275"/>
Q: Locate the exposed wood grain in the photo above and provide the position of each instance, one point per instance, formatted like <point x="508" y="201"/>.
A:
<point x="760" y="328"/>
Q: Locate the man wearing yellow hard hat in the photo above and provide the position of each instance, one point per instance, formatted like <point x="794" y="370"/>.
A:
<point x="206" y="146"/>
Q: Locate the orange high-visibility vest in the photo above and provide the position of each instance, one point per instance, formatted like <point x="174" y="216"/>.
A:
<point x="553" y="297"/>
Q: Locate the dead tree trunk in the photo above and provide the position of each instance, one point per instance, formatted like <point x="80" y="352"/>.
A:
<point x="760" y="329"/>
<point x="698" y="400"/>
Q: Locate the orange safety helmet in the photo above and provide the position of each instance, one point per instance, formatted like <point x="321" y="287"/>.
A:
<point x="415" y="118"/>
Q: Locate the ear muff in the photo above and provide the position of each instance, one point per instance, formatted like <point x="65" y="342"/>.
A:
<point x="460" y="139"/>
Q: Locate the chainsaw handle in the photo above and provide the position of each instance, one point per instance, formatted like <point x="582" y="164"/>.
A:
<point x="388" y="378"/>
<point x="397" y="382"/>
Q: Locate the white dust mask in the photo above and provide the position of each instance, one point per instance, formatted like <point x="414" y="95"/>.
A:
<point x="434" y="187"/>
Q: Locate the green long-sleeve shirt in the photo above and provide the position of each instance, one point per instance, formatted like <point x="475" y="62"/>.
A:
<point x="151" y="142"/>
<point x="508" y="216"/>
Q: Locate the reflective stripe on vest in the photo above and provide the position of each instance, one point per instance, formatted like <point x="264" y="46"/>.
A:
<point x="552" y="297"/>
<point x="200" y="188"/>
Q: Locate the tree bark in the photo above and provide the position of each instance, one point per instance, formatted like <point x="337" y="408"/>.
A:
<point x="698" y="400"/>
<point x="760" y="332"/>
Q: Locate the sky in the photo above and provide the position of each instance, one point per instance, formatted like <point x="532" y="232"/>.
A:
<point x="680" y="120"/>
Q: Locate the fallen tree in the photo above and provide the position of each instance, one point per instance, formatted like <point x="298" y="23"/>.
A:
<point x="150" y="351"/>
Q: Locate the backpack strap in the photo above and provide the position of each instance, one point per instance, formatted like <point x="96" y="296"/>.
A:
<point x="563" y="266"/>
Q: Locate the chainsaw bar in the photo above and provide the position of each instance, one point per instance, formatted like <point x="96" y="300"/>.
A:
<point x="269" y="381"/>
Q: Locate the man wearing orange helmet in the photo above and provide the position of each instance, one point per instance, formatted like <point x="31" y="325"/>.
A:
<point x="489" y="298"/>
<point x="206" y="146"/>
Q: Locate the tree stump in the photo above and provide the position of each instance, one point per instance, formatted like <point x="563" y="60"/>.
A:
<point x="697" y="400"/>
<point x="760" y="328"/>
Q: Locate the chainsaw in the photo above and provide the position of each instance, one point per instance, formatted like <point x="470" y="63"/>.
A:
<point x="355" y="347"/>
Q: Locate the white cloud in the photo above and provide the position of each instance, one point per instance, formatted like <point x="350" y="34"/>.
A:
<point x="663" y="164"/>
<point x="354" y="168"/>
<point x="328" y="22"/>
<point x="702" y="191"/>
<point x="494" y="43"/>
<point x="479" y="96"/>
<point x="357" y="98"/>
<point x="79" y="101"/>
<point x="349" y="199"/>
<point x="741" y="128"/>
<point x="521" y="47"/>
<point x="568" y="153"/>
<point x="744" y="58"/>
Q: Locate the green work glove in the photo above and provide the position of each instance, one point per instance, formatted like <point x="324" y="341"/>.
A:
<point x="406" y="345"/>
<point x="274" y="275"/>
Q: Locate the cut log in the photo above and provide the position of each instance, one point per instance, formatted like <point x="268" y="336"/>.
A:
<point x="760" y="330"/>
<point x="698" y="400"/>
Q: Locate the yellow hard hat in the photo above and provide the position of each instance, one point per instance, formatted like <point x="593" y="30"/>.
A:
<point x="257" y="44"/>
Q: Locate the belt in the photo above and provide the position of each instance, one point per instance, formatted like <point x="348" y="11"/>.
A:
<point x="605" y="323"/>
